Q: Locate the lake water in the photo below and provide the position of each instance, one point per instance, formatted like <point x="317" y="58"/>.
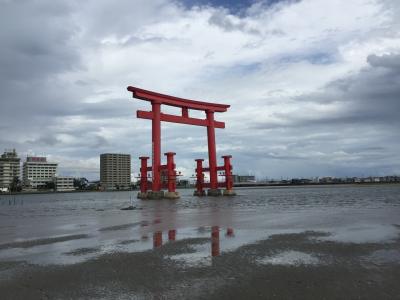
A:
<point x="74" y="227"/>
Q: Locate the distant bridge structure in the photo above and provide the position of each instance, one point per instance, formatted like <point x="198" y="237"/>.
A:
<point x="153" y="189"/>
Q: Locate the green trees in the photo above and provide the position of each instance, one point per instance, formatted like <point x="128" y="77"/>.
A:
<point x="81" y="183"/>
<point x="50" y="185"/>
<point x="15" y="185"/>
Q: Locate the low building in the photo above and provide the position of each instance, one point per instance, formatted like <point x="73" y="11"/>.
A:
<point x="10" y="169"/>
<point x="38" y="172"/>
<point x="243" y="178"/>
<point x="64" y="184"/>
<point x="301" y="181"/>
<point x="184" y="183"/>
<point x="326" y="179"/>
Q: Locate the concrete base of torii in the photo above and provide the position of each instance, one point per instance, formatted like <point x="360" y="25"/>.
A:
<point x="157" y="195"/>
<point x="199" y="194"/>
<point x="151" y="195"/>
<point x="229" y="193"/>
<point x="214" y="192"/>
<point x="171" y="195"/>
<point x="142" y="195"/>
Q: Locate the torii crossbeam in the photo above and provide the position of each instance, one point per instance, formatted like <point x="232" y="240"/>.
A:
<point x="186" y="105"/>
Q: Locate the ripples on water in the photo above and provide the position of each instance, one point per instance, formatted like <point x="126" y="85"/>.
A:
<point x="347" y="213"/>
<point x="282" y="198"/>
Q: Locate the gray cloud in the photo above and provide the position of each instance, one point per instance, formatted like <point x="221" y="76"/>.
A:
<point x="63" y="76"/>
<point x="47" y="140"/>
<point x="389" y="61"/>
<point x="362" y="131"/>
<point x="220" y="19"/>
<point x="371" y="96"/>
<point x="37" y="40"/>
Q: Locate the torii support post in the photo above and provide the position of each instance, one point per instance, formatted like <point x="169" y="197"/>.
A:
<point x="228" y="176"/>
<point x="171" y="235"/>
<point x="143" y="177"/>
<point x="229" y="232"/>
<point x="157" y="239"/>
<point x="199" y="179"/>
<point x="171" y="174"/>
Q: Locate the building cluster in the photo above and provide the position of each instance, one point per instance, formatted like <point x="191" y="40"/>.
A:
<point x="337" y="180"/>
<point x="243" y="178"/>
<point x="115" y="174"/>
<point x="37" y="174"/>
<point x="369" y="179"/>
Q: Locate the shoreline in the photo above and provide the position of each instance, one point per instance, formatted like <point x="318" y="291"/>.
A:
<point x="239" y="186"/>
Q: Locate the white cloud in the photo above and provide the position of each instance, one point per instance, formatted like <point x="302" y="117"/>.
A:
<point x="273" y="64"/>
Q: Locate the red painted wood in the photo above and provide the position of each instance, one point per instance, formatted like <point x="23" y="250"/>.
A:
<point x="178" y="119"/>
<point x="156" y="145"/>
<point x="175" y="101"/>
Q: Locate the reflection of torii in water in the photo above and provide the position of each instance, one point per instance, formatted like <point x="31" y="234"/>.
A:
<point x="157" y="169"/>
<point x="215" y="242"/>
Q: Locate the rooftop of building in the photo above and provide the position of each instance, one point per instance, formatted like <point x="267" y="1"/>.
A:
<point x="38" y="160"/>
<point x="9" y="154"/>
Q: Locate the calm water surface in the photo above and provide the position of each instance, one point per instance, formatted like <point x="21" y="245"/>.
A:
<point x="70" y="228"/>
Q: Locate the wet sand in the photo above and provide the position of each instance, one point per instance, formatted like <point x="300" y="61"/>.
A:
<point x="45" y="241"/>
<point x="305" y="247"/>
<point x="312" y="269"/>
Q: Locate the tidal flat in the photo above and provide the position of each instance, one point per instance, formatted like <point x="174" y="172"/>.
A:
<point x="320" y="242"/>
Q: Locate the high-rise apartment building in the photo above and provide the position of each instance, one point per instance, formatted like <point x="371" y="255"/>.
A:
<point x="9" y="168"/>
<point x="115" y="171"/>
<point x="37" y="172"/>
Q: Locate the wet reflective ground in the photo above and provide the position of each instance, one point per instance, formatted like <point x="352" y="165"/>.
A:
<point x="327" y="242"/>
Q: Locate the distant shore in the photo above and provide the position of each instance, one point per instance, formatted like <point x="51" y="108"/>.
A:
<point x="314" y="184"/>
<point x="238" y="185"/>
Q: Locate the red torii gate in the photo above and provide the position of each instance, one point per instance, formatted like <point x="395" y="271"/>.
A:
<point x="157" y="169"/>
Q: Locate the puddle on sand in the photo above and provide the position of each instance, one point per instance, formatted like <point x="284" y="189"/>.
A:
<point x="363" y="233"/>
<point x="221" y="240"/>
<point x="131" y="237"/>
<point x="291" y="258"/>
<point x="382" y="257"/>
<point x="200" y="257"/>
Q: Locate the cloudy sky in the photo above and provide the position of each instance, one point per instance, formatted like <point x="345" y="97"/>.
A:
<point x="314" y="85"/>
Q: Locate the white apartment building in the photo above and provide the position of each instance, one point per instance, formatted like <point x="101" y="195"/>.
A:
<point x="115" y="171"/>
<point x="37" y="172"/>
<point x="64" y="183"/>
<point x="9" y="168"/>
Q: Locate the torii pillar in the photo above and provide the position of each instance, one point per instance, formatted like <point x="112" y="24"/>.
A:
<point x="156" y="145"/>
<point x="212" y="152"/>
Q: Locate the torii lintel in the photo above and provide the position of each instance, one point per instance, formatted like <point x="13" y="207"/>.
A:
<point x="175" y="101"/>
